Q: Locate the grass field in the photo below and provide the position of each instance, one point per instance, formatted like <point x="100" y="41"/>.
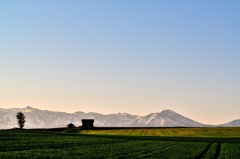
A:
<point x="220" y="132"/>
<point x="223" y="143"/>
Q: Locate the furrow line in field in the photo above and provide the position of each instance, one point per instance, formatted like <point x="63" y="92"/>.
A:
<point x="217" y="151"/>
<point x="204" y="152"/>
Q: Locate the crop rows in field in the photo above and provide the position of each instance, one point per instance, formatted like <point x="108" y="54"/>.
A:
<point x="24" y="144"/>
<point x="128" y="149"/>
<point x="210" y="152"/>
<point x="230" y="151"/>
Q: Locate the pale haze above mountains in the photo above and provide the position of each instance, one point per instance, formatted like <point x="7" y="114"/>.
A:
<point x="36" y="118"/>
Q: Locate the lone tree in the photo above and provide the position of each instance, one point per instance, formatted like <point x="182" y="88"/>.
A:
<point x="21" y="119"/>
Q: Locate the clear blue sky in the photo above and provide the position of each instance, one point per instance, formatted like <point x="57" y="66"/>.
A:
<point x="132" y="56"/>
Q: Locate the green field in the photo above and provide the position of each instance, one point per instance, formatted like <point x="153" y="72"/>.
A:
<point x="223" y="143"/>
<point x="172" y="132"/>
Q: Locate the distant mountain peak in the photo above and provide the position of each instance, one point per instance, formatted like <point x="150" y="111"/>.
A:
<point x="234" y="123"/>
<point x="168" y="111"/>
<point x="123" y="113"/>
<point x="28" y="107"/>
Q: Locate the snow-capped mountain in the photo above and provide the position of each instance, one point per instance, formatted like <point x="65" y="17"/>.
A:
<point x="234" y="123"/>
<point x="167" y="118"/>
<point x="36" y="118"/>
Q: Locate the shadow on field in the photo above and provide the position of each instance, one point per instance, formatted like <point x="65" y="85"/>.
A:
<point x="77" y="131"/>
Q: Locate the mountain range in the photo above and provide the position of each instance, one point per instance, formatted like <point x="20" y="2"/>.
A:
<point x="36" y="118"/>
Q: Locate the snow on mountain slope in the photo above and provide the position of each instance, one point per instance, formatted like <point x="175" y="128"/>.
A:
<point x="167" y="118"/>
<point x="234" y="123"/>
<point x="36" y="118"/>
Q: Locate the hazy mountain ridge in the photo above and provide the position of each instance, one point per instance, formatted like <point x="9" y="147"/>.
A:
<point x="234" y="123"/>
<point x="36" y="118"/>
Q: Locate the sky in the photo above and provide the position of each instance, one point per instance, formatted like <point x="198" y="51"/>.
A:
<point x="132" y="56"/>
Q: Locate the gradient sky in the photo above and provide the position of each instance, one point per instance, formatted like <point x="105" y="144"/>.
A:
<point x="133" y="56"/>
